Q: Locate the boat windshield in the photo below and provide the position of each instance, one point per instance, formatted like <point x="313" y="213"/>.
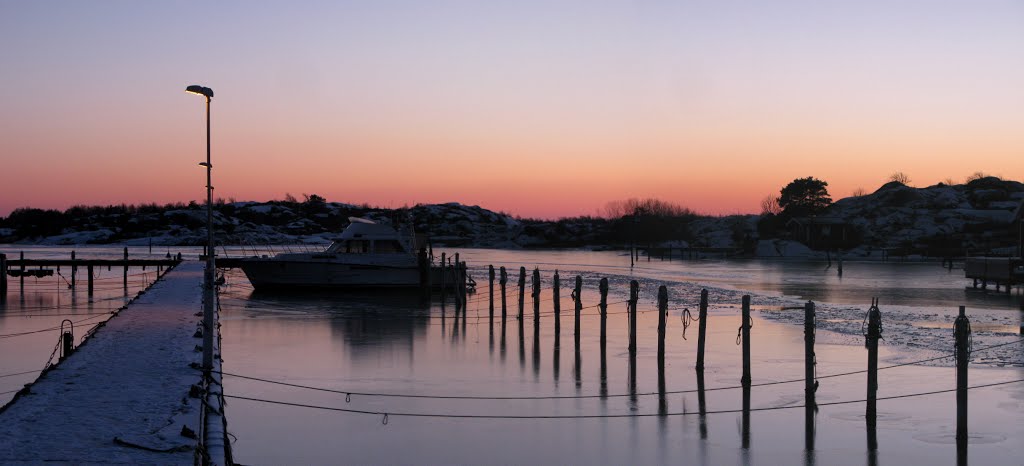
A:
<point x="361" y="246"/>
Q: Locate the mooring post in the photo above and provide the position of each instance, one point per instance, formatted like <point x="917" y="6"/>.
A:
<point x="536" y="294"/>
<point x="3" y="278"/>
<point x="522" y="292"/>
<point x="556" y="301"/>
<point x="503" y="279"/>
<point x="874" y="334"/>
<point x="809" y="360"/>
<point x="74" y="269"/>
<point x="577" y="297"/>
<point x="702" y="329"/>
<point x="444" y="279"/>
<point x="457" y="282"/>
<point x="603" y="308"/>
<point x="67" y="343"/>
<point x="423" y="264"/>
<point x="490" y="291"/>
<point x="662" y="314"/>
<point x="463" y="285"/>
<point x="126" y="267"/>
<point x="745" y="330"/>
<point x="21" y="255"/>
<point x="89" y="270"/>
<point x="634" y="292"/>
<point x="962" y="349"/>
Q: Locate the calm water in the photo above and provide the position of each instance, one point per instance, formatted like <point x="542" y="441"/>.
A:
<point x="390" y="345"/>
<point x="607" y="409"/>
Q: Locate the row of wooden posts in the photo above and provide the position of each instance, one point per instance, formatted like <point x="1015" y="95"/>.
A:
<point x="577" y="298"/>
<point x="6" y="268"/>
<point x="962" y="334"/>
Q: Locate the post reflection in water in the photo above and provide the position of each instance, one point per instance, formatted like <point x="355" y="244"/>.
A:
<point x="702" y="406"/>
<point x="556" y="358"/>
<point x="662" y="399"/>
<point x="577" y="367"/>
<point x="872" y="440"/>
<point x="455" y="326"/>
<point x="809" y="433"/>
<point x="633" y="401"/>
<point x="464" y="320"/>
<point x="745" y="421"/>
<point x="961" y="451"/>
<point x="536" y="349"/>
<point x="522" y="343"/>
<point x="501" y="343"/>
<point x="604" y="370"/>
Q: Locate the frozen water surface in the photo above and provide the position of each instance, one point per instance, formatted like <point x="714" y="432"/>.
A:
<point x="389" y="344"/>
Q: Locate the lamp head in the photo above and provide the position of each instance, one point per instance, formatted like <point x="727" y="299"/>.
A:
<point x="197" y="89"/>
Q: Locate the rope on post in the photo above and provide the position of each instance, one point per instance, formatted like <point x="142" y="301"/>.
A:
<point x="686" y="318"/>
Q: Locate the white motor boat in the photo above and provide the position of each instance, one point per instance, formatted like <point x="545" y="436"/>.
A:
<point x="367" y="255"/>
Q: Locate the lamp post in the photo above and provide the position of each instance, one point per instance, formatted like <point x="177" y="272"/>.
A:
<point x="208" y="276"/>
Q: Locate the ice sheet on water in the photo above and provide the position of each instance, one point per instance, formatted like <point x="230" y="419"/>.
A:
<point x="919" y="332"/>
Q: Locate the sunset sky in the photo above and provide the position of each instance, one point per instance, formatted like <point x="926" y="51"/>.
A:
<point x="541" y="109"/>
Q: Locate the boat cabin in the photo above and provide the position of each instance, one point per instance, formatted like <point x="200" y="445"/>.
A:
<point x="367" y="237"/>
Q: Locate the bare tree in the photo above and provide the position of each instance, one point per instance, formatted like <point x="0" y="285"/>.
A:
<point x="977" y="176"/>
<point x="859" y="192"/>
<point x="900" y="178"/>
<point x="770" y="205"/>
<point x="648" y="206"/>
<point x="949" y="182"/>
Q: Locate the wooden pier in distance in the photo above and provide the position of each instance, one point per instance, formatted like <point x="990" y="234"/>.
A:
<point x="23" y="267"/>
<point x="1001" y="271"/>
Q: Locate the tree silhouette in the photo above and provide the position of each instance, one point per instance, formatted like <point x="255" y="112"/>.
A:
<point x="770" y="206"/>
<point x="900" y="178"/>
<point x="804" y="196"/>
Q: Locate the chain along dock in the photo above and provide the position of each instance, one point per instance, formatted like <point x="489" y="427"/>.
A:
<point x="131" y="392"/>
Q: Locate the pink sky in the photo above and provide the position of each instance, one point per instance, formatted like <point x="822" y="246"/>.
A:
<point x="533" y="109"/>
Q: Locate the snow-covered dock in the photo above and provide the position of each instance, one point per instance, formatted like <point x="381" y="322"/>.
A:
<point x="123" y="396"/>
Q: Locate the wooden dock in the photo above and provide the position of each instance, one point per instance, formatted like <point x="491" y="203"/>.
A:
<point x="22" y="267"/>
<point x="127" y="394"/>
<point x="1000" y="271"/>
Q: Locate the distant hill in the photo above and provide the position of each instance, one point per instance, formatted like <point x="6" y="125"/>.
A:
<point x="979" y="216"/>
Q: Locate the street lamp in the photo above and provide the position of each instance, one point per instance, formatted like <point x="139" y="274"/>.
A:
<point x="208" y="277"/>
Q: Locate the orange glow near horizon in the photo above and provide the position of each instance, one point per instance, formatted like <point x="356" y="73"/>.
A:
<point x="537" y="115"/>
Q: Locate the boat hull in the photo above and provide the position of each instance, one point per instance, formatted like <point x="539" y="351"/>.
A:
<point x="282" y="274"/>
